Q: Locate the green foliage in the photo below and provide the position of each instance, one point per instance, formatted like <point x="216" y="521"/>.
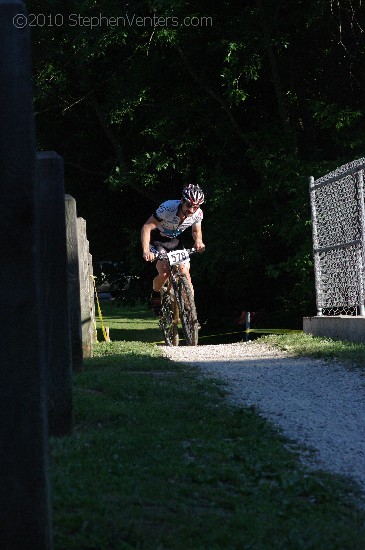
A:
<point x="240" y="65"/>
<point x="333" y="116"/>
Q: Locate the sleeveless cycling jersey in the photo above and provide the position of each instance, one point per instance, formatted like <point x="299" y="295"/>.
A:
<point x="169" y="224"/>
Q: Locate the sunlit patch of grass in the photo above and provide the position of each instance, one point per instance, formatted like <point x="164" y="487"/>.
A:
<point x="325" y="348"/>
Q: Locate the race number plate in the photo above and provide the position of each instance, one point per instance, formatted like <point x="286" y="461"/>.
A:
<point x="177" y="256"/>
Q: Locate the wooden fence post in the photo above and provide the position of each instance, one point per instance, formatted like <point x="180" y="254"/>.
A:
<point x="25" y="518"/>
<point x="54" y="292"/>
<point x="73" y="283"/>
<point x="86" y="321"/>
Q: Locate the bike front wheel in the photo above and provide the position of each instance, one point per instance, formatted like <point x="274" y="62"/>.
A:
<point x="187" y="310"/>
<point x="169" y="318"/>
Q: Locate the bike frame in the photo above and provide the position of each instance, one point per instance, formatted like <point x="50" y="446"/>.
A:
<point x="178" y="301"/>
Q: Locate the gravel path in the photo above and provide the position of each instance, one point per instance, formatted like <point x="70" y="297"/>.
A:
<point x="320" y="405"/>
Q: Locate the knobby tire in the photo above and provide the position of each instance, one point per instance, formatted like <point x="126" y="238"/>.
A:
<point x="169" y="317"/>
<point x="187" y="310"/>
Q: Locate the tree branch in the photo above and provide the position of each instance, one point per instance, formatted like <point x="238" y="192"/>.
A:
<point x="213" y="94"/>
<point x="274" y="70"/>
<point x="85" y="170"/>
<point x="118" y="150"/>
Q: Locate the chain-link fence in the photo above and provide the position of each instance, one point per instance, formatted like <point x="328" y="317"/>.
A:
<point x="338" y="223"/>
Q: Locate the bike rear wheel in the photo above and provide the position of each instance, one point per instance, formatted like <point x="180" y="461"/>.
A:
<point x="169" y="318"/>
<point x="187" y="310"/>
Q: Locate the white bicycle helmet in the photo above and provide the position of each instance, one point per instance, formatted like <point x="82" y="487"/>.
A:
<point x="193" y="194"/>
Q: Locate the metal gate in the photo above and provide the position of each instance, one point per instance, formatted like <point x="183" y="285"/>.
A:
<point x="338" y="225"/>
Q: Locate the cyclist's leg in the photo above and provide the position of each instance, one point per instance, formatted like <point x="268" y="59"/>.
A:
<point x="157" y="285"/>
<point x="163" y="269"/>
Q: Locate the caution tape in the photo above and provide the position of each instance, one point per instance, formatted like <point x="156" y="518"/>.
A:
<point x="254" y="330"/>
<point x="250" y="330"/>
<point x="103" y="328"/>
<point x="272" y="330"/>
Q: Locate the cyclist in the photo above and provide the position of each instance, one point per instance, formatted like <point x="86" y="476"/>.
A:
<point x="162" y="232"/>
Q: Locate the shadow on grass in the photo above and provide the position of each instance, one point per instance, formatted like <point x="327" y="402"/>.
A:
<point x="148" y="335"/>
<point x="109" y="309"/>
<point x="129" y="324"/>
<point x="126" y="361"/>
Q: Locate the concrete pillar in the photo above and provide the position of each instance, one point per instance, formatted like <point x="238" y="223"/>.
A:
<point x="87" y="328"/>
<point x="25" y="518"/>
<point x="73" y="283"/>
<point x="54" y="292"/>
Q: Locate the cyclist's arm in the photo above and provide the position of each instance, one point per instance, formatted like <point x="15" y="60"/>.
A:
<point x="198" y="237"/>
<point x="150" y="224"/>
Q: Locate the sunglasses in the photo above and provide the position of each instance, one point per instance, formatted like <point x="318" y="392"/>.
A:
<point x="191" y="204"/>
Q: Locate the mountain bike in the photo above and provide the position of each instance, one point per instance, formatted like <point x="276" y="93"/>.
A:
<point x="177" y="302"/>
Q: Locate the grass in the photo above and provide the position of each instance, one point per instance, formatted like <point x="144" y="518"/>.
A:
<point x="129" y="323"/>
<point x="160" y="461"/>
<point x="325" y="348"/>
